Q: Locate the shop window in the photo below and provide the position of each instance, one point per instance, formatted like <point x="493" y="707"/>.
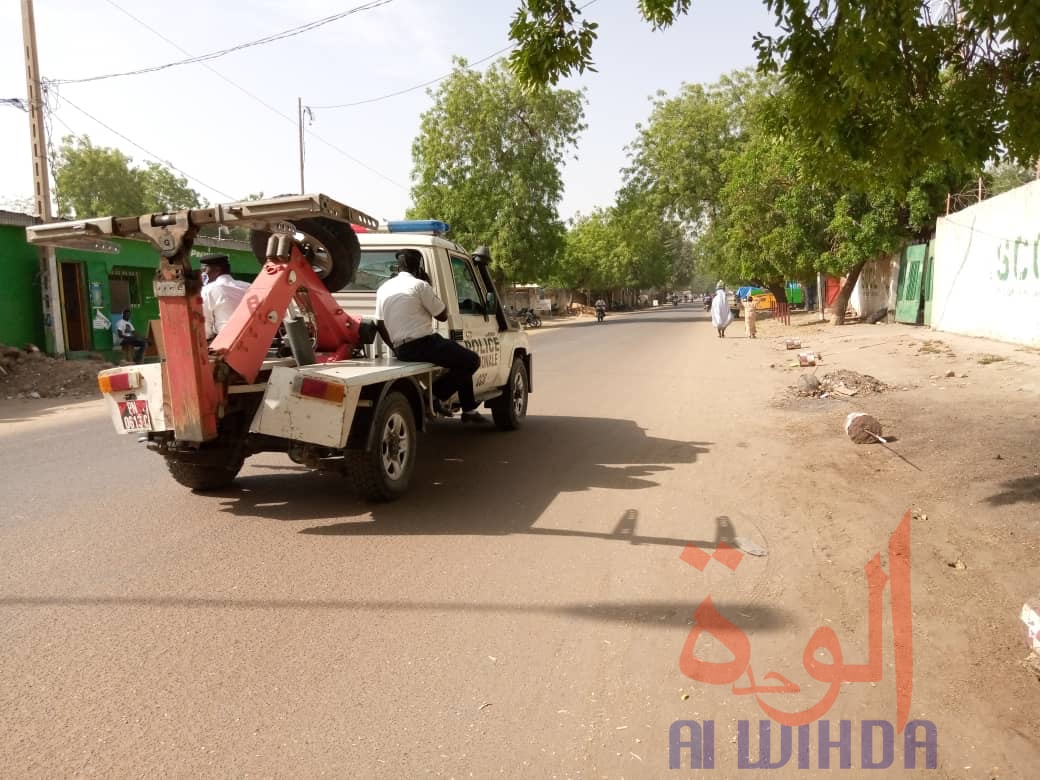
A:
<point x="124" y="288"/>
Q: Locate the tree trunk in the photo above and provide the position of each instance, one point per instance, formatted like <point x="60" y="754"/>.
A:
<point x="779" y="290"/>
<point x="841" y="303"/>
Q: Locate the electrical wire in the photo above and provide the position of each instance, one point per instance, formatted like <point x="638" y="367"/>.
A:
<point x="151" y="154"/>
<point x="412" y="89"/>
<point x="191" y="60"/>
<point x="431" y="82"/>
<point x="265" y="104"/>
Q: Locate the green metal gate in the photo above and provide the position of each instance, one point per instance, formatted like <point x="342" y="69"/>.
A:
<point x="911" y="274"/>
<point x="929" y="272"/>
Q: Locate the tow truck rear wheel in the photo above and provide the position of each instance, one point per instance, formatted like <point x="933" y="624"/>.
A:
<point x="510" y="408"/>
<point x="383" y="472"/>
<point x="331" y="246"/>
<point x="210" y="469"/>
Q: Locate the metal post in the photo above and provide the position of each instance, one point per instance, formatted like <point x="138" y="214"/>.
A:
<point x="50" y="286"/>
<point x="819" y="293"/>
<point x="299" y="108"/>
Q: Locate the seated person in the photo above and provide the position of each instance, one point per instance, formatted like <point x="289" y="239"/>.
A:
<point x="126" y="335"/>
<point x="405" y="304"/>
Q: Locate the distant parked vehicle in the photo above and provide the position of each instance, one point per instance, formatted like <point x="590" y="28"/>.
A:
<point x="528" y="319"/>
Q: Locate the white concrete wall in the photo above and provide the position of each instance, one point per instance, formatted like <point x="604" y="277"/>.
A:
<point x="987" y="269"/>
<point x="876" y="287"/>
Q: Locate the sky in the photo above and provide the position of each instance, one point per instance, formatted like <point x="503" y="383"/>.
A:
<point x="230" y="124"/>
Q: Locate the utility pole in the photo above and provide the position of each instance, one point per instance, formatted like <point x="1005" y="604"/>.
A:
<point x="299" y="112"/>
<point x="49" y="283"/>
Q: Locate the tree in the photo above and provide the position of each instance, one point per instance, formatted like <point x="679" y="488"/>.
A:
<point x="593" y="253"/>
<point x="724" y="160"/>
<point x="553" y="44"/>
<point x="677" y="157"/>
<point x="164" y="191"/>
<point x="93" y="181"/>
<point x="1006" y="176"/>
<point x="871" y="80"/>
<point x="487" y="160"/>
<point x="772" y="215"/>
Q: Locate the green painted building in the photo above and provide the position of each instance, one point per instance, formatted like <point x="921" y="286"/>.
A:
<point x="95" y="286"/>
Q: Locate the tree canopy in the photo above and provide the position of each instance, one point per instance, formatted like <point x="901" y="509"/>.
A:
<point x="93" y="181"/>
<point x="892" y="80"/>
<point x="488" y="161"/>
<point x="725" y="161"/>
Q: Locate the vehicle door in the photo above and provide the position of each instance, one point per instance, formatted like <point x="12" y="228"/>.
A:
<point x="479" y="327"/>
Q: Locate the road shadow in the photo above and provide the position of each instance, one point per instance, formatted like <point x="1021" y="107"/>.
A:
<point x="1017" y="491"/>
<point x="662" y="614"/>
<point x="478" y="481"/>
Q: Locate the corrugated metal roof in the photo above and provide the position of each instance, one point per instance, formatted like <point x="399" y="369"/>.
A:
<point x="17" y="219"/>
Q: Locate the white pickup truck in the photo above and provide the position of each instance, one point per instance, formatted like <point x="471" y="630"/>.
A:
<point x="292" y="371"/>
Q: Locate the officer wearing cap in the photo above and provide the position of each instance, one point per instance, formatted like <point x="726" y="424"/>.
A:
<point x="221" y="294"/>
<point x="405" y="305"/>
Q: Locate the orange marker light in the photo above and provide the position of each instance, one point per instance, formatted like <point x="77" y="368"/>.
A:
<point x="114" y="383"/>
<point x="322" y="390"/>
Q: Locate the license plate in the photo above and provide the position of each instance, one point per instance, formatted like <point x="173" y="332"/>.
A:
<point x="135" y="415"/>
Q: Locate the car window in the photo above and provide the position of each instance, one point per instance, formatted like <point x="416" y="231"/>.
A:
<point x="470" y="298"/>
<point x="376" y="266"/>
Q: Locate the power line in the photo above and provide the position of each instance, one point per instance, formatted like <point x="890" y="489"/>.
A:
<point x="294" y="31"/>
<point x="262" y="102"/>
<point x="417" y="86"/>
<point x="431" y="81"/>
<point x="15" y="103"/>
<point x="151" y="154"/>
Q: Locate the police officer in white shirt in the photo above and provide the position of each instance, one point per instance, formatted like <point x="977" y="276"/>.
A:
<point x="405" y="305"/>
<point x="221" y="293"/>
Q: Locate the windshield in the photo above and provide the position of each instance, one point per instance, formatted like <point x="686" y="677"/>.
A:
<point x="376" y="267"/>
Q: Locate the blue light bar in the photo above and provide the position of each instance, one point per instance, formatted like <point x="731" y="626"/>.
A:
<point x="434" y="226"/>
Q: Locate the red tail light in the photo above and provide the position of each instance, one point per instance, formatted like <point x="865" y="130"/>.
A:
<point x="114" y="383"/>
<point x="319" y="388"/>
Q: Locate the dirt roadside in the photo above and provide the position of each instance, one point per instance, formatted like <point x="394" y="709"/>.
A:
<point x="30" y="374"/>
<point x="962" y="416"/>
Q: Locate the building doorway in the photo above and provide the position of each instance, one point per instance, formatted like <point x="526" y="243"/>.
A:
<point x="74" y="307"/>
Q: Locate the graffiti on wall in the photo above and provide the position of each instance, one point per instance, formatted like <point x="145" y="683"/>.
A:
<point x="1018" y="260"/>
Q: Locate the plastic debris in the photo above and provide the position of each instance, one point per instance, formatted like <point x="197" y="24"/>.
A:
<point x="1031" y="619"/>
<point x="750" y="547"/>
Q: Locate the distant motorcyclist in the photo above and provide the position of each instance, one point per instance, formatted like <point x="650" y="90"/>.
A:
<point x="601" y="309"/>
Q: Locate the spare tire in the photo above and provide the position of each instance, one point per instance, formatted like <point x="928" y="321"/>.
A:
<point x="331" y="246"/>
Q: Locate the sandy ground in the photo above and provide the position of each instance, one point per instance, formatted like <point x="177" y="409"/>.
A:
<point x="523" y="612"/>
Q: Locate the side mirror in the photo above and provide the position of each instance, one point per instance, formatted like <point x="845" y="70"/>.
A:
<point x="490" y="304"/>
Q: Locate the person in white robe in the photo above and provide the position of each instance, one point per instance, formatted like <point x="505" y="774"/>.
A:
<point x="721" y="316"/>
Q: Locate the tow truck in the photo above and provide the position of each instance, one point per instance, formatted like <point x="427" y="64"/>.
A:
<point x="293" y="371"/>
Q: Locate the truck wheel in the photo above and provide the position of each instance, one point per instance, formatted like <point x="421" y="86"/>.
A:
<point x="211" y="470"/>
<point x="510" y="408"/>
<point x="332" y="247"/>
<point x="384" y="472"/>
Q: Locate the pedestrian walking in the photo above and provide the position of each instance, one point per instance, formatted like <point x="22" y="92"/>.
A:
<point x="721" y="316"/>
<point x="750" y="316"/>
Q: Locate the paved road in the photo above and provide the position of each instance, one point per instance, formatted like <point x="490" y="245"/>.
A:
<point x="520" y="613"/>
